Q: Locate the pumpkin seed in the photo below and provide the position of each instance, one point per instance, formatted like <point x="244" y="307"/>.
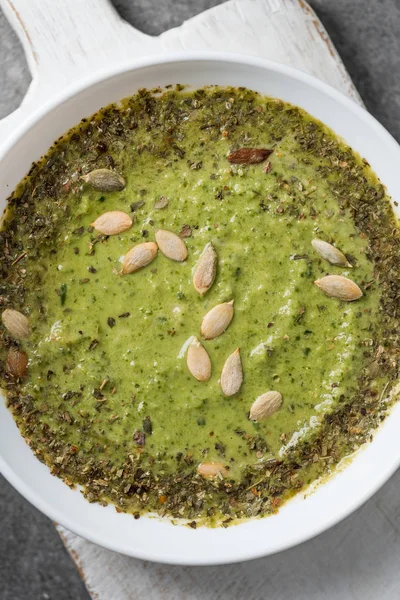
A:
<point x="111" y="223"/>
<point x="171" y="245"/>
<point x="105" y="180"/>
<point x="248" y="156"/>
<point x="232" y="374"/>
<point x="206" y="269"/>
<point x="210" y="470"/>
<point x="16" y="362"/>
<point x="16" y="323"/>
<point x="139" y="256"/>
<point x="330" y="253"/>
<point x="217" y="320"/>
<point x="265" y="406"/>
<point x="198" y="361"/>
<point x="337" y="286"/>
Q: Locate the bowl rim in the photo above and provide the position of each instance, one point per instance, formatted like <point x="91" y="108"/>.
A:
<point x="312" y="82"/>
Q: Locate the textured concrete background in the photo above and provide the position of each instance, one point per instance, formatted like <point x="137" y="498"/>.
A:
<point x="33" y="562"/>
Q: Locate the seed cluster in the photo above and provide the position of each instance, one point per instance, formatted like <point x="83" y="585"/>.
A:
<point x="218" y="319"/>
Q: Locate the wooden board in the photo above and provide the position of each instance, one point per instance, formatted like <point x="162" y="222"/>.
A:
<point x="65" y="41"/>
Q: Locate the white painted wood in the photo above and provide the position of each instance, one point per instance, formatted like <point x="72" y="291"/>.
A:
<point x="287" y="31"/>
<point x="67" y="40"/>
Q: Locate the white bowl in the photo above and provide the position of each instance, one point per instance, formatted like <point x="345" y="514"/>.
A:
<point x="299" y="519"/>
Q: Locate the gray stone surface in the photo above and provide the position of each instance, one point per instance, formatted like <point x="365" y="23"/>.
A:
<point x="33" y="562"/>
<point x="14" y="73"/>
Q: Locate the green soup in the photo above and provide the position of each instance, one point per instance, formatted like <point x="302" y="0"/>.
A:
<point x="107" y="399"/>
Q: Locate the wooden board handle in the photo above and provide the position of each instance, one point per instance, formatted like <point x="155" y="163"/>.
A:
<point x="66" y="40"/>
